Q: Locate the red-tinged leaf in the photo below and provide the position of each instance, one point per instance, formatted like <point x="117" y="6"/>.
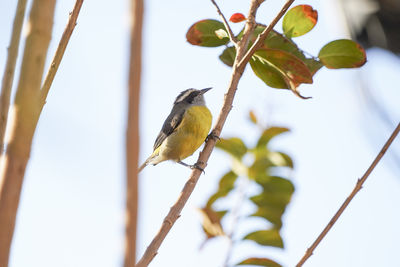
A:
<point x="270" y="238"/>
<point x="342" y="54"/>
<point x="299" y="20"/>
<point x="207" y="33"/>
<point x="237" y="17"/>
<point x="212" y="222"/>
<point x="260" y="262"/>
<point x="280" y="69"/>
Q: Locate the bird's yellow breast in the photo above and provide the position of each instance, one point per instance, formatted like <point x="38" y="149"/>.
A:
<point x="189" y="135"/>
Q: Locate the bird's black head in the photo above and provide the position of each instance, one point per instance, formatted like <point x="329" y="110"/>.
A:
<point x="191" y="96"/>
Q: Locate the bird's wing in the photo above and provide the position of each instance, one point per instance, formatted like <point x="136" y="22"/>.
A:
<point x="169" y="126"/>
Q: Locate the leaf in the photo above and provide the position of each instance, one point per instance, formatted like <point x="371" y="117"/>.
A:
<point x="259" y="166"/>
<point x="233" y="146"/>
<point x="212" y="222"/>
<point x="280" y="69"/>
<point x="342" y="54"/>
<point x="237" y="17"/>
<point x="273" y="200"/>
<point x="253" y="117"/>
<point x="226" y="184"/>
<point x="270" y="238"/>
<point x="299" y="20"/>
<point x="277" y="41"/>
<point x="260" y="262"/>
<point x="203" y="33"/>
<point x="270" y="133"/>
<point x="228" y="56"/>
<point x="280" y="159"/>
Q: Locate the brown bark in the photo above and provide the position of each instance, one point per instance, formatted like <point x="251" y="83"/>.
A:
<point x="132" y="134"/>
<point x="27" y="110"/>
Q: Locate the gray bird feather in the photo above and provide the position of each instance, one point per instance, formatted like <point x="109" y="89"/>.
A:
<point x="171" y="123"/>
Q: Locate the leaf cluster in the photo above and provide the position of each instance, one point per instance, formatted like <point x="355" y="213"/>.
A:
<point x="270" y="201"/>
<point x="279" y="62"/>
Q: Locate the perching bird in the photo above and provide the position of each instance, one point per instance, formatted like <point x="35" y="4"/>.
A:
<point x="184" y="130"/>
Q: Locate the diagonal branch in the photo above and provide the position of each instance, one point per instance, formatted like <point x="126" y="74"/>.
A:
<point x="9" y="70"/>
<point x="228" y="28"/>
<point x="357" y="188"/>
<point x="55" y="63"/>
<point x="237" y="71"/>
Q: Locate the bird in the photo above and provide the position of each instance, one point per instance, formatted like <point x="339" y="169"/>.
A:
<point x="184" y="130"/>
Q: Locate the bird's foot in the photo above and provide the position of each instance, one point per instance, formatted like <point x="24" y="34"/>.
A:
<point x="194" y="166"/>
<point x="212" y="135"/>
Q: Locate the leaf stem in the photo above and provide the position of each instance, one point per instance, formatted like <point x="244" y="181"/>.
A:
<point x="356" y="189"/>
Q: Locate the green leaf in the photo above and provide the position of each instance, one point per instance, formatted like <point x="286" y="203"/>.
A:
<point x="280" y="159"/>
<point x="260" y="262"/>
<point x="270" y="238"/>
<point x="233" y="146"/>
<point x="342" y="54"/>
<point x="207" y="33"/>
<point x="226" y="184"/>
<point x="228" y="56"/>
<point x="212" y="222"/>
<point x="280" y="69"/>
<point x="274" y="198"/>
<point x="270" y="133"/>
<point x="299" y="20"/>
<point x="259" y="166"/>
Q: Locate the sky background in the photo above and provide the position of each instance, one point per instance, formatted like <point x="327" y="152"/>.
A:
<point x="71" y="212"/>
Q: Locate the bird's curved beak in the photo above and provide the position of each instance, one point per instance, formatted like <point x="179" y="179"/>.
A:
<point x="205" y="90"/>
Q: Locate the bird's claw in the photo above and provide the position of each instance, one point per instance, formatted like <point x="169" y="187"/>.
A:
<point x="212" y="135"/>
<point x="196" y="166"/>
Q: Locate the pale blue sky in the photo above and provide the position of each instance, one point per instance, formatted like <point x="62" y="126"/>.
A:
<point x="72" y="206"/>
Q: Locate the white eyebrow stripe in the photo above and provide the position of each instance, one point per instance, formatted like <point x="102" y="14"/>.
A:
<point x="182" y="97"/>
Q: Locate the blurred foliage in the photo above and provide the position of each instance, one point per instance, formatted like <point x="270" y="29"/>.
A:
<point x="273" y="195"/>
<point x="279" y="62"/>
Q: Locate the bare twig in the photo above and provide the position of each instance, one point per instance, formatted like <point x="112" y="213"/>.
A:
<point x="237" y="71"/>
<point x="55" y="63"/>
<point x="260" y="38"/>
<point x="27" y="110"/>
<point x="357" y="188"/>
<point x="9" y="70"/>
<point x="228" y="28"/>
<point x="132" y="134"/>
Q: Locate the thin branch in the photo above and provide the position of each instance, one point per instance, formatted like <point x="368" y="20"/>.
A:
<point x="356" y="189"/>
<point x="55" y="63"/>
<point x="9" y="70"/>
<point x="27" y="112"/>
<point x="132" y="133"/>
<point x="237" y="71"/>
<point x="260" y="38"/>
<point x="229" y="29"/>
